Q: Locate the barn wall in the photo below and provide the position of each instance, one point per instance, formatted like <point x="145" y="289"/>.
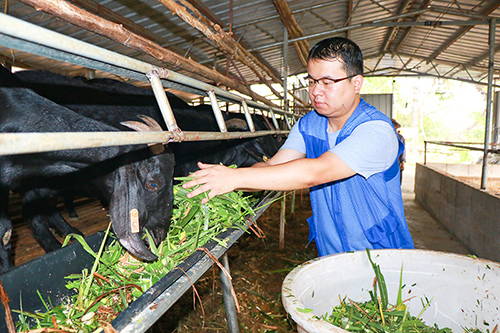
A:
<point x="468" y="213"/>
<point x="383" y="102"/>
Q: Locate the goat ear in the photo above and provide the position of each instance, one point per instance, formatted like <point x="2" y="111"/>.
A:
<point x="237" y="124"/>
<point x="123" y="204"/>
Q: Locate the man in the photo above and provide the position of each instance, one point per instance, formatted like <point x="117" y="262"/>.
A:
<point x="345" y="150"/>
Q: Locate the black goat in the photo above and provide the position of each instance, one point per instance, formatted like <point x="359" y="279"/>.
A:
<point x="112" y="102"/>
<point x="128" y="176"/>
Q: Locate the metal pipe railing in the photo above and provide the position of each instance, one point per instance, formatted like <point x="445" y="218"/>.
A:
<point x="217" y="112"/>
<point x="475" y="146"/>
<point x="162" y="100"/>
<point x="24" y="143"/>
<point x="489" y="99"/>
<point x="248" y="116"/>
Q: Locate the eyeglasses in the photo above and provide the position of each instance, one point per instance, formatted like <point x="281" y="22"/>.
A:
<point x="326" y="82"/>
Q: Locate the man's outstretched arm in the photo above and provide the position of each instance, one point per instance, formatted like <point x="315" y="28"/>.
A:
<point x="284" y="175"/>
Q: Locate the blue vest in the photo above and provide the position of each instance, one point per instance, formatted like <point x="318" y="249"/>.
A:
<point x="354" y="213"/>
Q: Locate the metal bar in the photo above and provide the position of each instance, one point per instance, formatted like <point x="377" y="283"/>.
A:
<point x="18" y="28"/>
<point x="450" y="144"/>
<point x="217" y="112"/>
<point x="462" y="146"/>
<point x="287" y="122"/>
<point x="425" y="152"/>
<point x="229" y="303"/>
<point x="248" y="116"/>
<point x="24" y="143"/>
<point x="275" y="121"/>
<point x="487" y="125"/>
<point x="496" y="115"/>
<point x="285" y="69"/>
<point x="162" y="100"/>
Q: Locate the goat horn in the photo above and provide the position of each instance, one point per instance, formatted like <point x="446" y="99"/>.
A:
<point x="136" y="125"/>
<point x="156" y="148"/>
<point x="153" y="124"/>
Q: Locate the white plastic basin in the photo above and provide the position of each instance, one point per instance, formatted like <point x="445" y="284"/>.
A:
<point x="464" y="291"/>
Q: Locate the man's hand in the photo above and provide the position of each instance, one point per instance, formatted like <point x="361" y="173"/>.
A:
<point x="213" y="178"/>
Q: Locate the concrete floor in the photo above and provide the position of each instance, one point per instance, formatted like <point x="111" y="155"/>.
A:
<point x="427" y="233"/>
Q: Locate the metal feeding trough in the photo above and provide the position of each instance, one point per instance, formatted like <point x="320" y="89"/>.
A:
<point x="46" y="276"/>
<point x="464" y="292"/>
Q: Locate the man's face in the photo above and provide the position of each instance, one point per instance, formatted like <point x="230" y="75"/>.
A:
<point x="336" y="100"/>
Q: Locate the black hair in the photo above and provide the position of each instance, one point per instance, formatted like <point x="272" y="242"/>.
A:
<point x="342" y="49"/>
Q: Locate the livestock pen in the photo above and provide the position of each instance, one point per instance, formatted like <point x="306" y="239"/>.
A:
<point x="139" y="316"/>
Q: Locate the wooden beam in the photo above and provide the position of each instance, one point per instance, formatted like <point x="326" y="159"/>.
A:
<point x="224" y="40"/>
<point x="198" y="5"/>
<point x="108" y="14"/>
<point x="85" y="20"/>
<point x="294" y="30"/>
<point x="207" y="12"/>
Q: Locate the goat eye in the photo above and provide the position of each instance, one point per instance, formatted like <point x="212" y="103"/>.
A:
<point x="152" y="186"/>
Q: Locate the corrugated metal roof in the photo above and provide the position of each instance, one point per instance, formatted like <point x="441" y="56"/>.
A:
<point x="442" y="45"/>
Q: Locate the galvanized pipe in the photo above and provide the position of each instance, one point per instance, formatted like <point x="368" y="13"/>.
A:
<point x="288" y="123"/>
<point x="275" y="122"/>
<point x="229" y="302"/>
<point x="24" y="143"/>
<point x="161" y="98"/>
<point x="217" y="112"/>
<point x="425" y="152"/>
<point x="248" y="116"/>
<point x="487" y="125"/>
<point x="285" y="70"/>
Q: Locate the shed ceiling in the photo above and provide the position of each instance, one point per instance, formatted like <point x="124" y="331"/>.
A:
<point x="244" y="40"/>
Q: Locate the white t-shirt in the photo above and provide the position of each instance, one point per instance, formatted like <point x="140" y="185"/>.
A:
<point x="371" y="148"/>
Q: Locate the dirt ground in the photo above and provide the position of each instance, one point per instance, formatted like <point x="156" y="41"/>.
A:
<point x="258" y="268"/>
